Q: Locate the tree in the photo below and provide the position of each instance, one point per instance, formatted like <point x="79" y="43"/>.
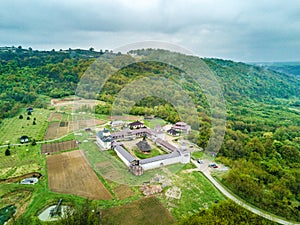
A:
<point x="33" y="143"/>
<point x="21" y="117"/>
<point x="7" y="152"/>
<point x="34" y="123"/>
<point x="29" y="113"/>
<point x="28" y="117"/>
<point x="85" y="214"/>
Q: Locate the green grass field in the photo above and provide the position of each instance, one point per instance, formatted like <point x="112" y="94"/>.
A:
<point x="12" y="129"/>
<point x="23" y="159"/>
<point x="197" y="193"/>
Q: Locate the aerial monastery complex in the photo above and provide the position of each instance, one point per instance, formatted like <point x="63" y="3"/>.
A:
<point x="107" y="140"/>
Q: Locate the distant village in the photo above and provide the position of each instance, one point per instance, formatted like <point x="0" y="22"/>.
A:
<point x="122" y="132"/>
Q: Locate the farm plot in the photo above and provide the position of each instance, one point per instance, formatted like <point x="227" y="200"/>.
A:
<point x="145" y="211"/>
<point x="58" y="146"/>
<point x="123" y="192"/>
<point x="84" y="123"/>
<point x="52" y="131"/>
<point x="70" y="173"/>
<point x="55" y="116"/>
<point x="68" y="124"/>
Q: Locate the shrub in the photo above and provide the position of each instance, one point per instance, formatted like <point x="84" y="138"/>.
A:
<point x="7" y="152"/>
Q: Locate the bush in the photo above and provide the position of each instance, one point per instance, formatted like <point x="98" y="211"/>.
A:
<point x="33" y="142"/>
<point x="7" y="152"/>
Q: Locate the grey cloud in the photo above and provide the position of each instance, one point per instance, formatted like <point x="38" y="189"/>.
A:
<point x="241" y="30"/>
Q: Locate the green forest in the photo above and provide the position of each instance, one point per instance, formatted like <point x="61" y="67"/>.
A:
<point x="262" y="141"/>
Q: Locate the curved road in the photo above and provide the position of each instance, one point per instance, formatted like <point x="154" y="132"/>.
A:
<point x="205" y="170"/>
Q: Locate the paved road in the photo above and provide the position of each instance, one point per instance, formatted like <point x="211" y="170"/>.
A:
<point x="206" y="171"/>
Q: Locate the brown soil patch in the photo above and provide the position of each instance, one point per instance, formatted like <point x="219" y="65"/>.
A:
<point x="55" y="116"/>
<point x="59" y="146"/>
<point x="55" y="130"/>
<point x="70" y="173"/>
<point x="51" y="132"/>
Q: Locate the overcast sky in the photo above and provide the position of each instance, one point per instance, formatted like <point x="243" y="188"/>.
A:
<point x="242" y="30"/>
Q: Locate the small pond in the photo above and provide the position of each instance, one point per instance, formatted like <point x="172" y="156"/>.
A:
<point x="6" y="213"/>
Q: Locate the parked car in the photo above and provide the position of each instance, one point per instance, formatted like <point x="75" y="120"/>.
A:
<point x="200" y="161"/>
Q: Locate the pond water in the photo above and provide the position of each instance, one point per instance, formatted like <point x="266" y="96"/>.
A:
<point x="6" y="213"/>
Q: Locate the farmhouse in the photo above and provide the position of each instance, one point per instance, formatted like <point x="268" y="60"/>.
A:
<point x="117" y="123"/>
<point x="104" y="139"/>
<point x="136" y="125"/>
<point x="173" y="132"/>
<point x="182" y="127"/>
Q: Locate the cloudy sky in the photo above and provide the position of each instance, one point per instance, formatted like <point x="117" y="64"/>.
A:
<point x="242" y="30"/>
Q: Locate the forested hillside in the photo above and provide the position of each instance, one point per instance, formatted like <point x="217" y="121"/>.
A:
<point x="262" y="141"/>
<point x="282" y="67"/>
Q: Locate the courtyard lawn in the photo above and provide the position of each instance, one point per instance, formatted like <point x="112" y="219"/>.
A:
<point x="12" y="129"/>
<point x="141" y="155"/>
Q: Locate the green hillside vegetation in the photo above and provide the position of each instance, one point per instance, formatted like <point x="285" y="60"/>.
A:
<point x="262" y="141"/>
<point x="226" y="213"/>
<point x="283" y="67"/>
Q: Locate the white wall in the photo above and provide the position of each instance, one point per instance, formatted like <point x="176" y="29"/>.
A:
<point x="127" y="163"/>
<point x="165" y="162"/>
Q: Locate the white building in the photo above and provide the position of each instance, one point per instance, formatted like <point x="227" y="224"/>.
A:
<point x="104" y="139"/>
<point x="175" y="156"/>
<point x="182" y="127"/>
